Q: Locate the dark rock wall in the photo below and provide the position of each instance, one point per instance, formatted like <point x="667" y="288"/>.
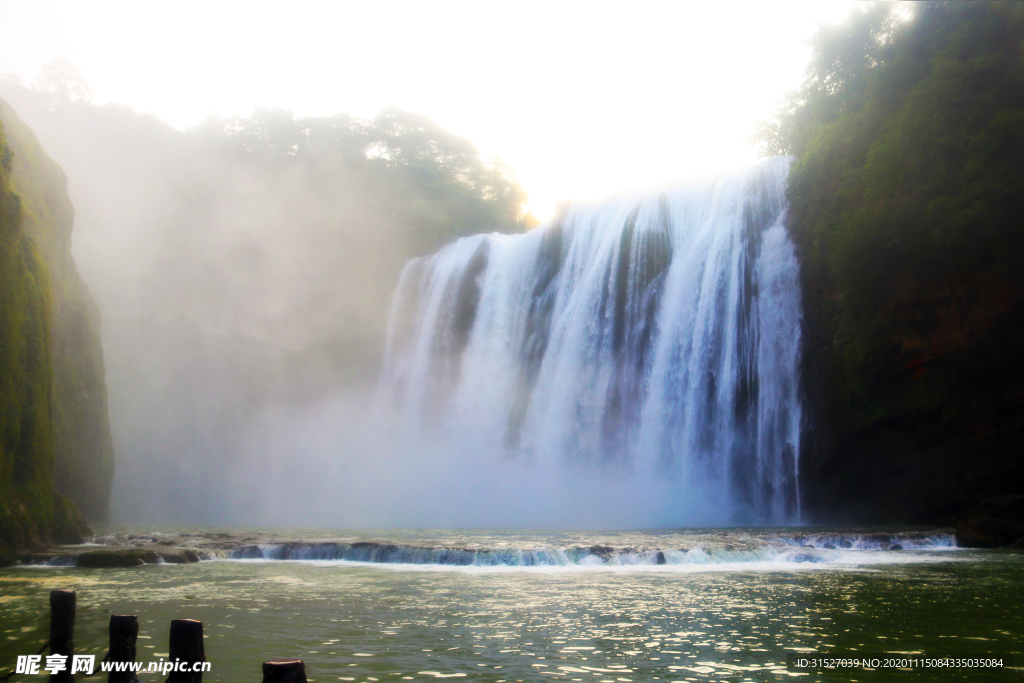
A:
<point x="926" y="425"/>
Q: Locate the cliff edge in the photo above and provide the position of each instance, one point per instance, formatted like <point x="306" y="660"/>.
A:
<point x="54" y="426"/>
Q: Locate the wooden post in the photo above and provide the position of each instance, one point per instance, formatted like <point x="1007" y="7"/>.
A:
<point x="124" y="630"/>
<point x="284" y="671"/>
<point x="62" y="631"/>
<point x="186" y="646"/>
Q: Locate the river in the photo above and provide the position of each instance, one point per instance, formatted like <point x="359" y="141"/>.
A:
<point x="727" y="604"/>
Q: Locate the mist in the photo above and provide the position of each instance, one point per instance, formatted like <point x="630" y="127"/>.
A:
<point x="344" y="463"/>
<point x="244" y="266"/>
<point x="243" y="270"/>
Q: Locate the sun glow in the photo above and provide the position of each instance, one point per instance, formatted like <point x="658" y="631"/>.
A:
<point x="581" y="100"/>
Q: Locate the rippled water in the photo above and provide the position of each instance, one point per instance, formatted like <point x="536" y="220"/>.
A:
<point x="730" y="621"/>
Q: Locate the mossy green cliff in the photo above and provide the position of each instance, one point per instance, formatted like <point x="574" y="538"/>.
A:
<point x="53" y="422"/>
<point x="83" y="450"/>
<point x="905" y="204"/>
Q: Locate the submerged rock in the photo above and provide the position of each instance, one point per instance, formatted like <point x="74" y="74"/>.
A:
<point x="805" y="557"/>
<point x="180" y="557"/>
<point x="987" y="532"/>
<point x="117" y="558"/>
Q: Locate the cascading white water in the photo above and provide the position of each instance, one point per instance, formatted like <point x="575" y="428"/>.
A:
<point x="654" y="336"/>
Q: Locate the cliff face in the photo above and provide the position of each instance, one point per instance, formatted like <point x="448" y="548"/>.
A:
<point x="905" y="207"/>
<point x="30" y="511"/>
<point x="82" y="451"/>
<point x="919" y="418"/>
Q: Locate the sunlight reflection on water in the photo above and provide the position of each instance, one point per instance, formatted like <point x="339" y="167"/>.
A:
<point x="366" y="622"/>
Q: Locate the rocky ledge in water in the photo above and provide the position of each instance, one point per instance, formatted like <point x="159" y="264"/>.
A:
<point x="984" y="531"/>
<point x="131" y="549"/>
<point x="123" y="549"/>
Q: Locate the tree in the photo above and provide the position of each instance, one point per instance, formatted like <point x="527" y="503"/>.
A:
<point x="64" y="82"/>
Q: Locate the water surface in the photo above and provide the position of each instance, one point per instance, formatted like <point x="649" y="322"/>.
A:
<point x="734" y="619"/>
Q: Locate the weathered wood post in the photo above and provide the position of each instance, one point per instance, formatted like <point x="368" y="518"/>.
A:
<point x="124" y="631"/>
<point x="62" y="631"/>
<point x="284" y="671"/>
<point x="186" y="647"/>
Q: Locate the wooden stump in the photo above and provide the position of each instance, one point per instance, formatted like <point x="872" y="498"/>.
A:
<point x="124" y="631"/>
<point x="62" y="631"/>
<point x="284" y="671"/>
<point x="186" y="646"/>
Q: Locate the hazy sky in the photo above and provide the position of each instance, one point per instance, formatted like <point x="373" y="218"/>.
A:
<point x="582" y="100"/>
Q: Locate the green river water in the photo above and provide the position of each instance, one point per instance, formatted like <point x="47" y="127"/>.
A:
<point x="734" y="618"/>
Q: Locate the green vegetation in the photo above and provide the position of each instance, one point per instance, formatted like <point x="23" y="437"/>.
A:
<point x="450" y="192"/>
<point x="83" y="452"/>
<point x="310" y="217"/>
<point x="906" y="200"/>
<point x="30" y="511"/>
<point x="244" y="264"/>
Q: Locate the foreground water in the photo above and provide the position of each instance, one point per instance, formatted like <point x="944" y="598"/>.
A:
<point x="730" y="606"/>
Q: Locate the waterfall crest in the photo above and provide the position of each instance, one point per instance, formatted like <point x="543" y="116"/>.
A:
<point x="653" y="336"/>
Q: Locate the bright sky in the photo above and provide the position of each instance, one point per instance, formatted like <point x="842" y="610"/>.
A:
<point x="581" y="99"/>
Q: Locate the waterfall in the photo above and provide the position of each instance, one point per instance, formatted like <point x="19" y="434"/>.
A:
<point x="653" y="336"/>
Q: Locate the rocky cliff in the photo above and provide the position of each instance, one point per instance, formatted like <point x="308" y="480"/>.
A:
<point x="905" y="207"/>
<point x="53" y="377"/>
<point x="919" y="418"/>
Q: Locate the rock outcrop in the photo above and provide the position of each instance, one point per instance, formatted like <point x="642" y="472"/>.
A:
<point x="83" y="457"/>
<point x="55" y="447"/>
<point x="31" y="512"/>
<point x="988" y="532"/>
<point x="905" y="208"/>
<point x="931" y="429"/>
